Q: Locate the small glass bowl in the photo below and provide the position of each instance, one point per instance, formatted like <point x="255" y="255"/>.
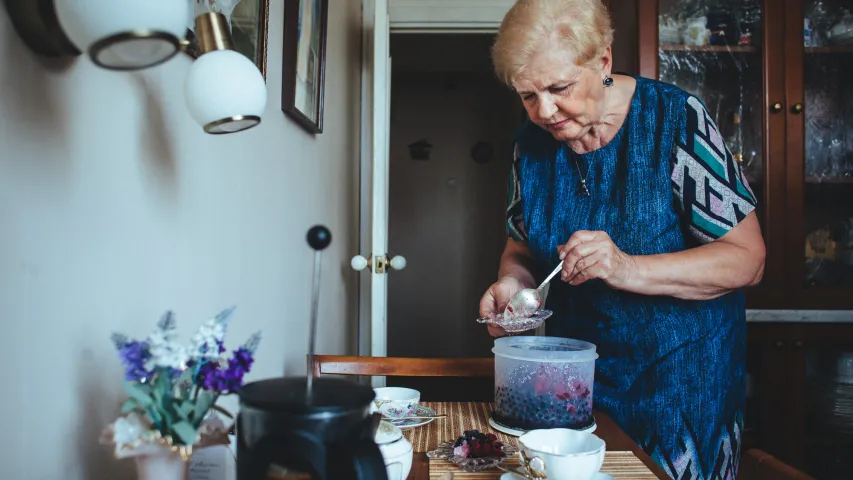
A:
<point x="515" y="325"/>
<point x="470" y="465"/>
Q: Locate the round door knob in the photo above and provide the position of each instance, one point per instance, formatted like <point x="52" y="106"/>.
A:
<point x="398" y="263"/>
<point x="358" y="263"/>
<point x="776" y="107"/>
<point x="797" y="108"/>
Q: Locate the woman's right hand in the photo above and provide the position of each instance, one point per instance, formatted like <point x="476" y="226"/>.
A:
<point x="495" y="299"/>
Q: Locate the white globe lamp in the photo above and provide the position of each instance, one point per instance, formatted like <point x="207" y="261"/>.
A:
<point x="225" y="92"/>
<point x="125" y="35"/>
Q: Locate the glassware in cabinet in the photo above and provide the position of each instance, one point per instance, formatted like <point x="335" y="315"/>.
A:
<point x="828" y="142"/>
<point x="712" y="49"/>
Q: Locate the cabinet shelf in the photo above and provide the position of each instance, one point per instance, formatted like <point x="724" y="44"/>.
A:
<point x="710" y="48"/>
<point x="832" y="49"/>
<point x="833" y="180"/>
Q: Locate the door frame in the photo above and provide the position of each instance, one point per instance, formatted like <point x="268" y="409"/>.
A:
<point x="372" y="327"/>
<point x="365" y="171"/>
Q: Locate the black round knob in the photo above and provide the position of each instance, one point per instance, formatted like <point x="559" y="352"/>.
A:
<point x="319" y="237"/>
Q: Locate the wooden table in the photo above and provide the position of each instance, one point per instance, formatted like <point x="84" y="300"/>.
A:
<point x="607" y="429"/>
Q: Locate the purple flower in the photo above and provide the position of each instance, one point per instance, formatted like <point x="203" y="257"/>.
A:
<point x="133" y="356"/>
<point x="226" y="379"/>
<point x="242" y="360"/>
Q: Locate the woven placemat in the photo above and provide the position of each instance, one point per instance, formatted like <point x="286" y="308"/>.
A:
<point x="621" y="465"/>
<point x="461" y="416"/>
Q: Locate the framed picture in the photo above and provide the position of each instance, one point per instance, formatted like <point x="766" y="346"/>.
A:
<point x="304" y="66"/>
<point x="249" y="31"/>
<point x="249" y="21"/>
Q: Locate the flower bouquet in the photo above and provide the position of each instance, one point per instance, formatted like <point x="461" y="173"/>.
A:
<point x="173" y="390"/>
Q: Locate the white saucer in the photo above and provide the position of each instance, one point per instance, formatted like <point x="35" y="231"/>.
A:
<point x="597" y="476"/>
<point x="420" y="411"/>
<point x="518" y="432"/>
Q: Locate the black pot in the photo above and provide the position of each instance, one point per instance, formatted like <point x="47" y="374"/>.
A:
<point x="330" y="436"/>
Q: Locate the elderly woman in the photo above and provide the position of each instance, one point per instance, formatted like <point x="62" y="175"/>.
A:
<point x="627" y="181"/>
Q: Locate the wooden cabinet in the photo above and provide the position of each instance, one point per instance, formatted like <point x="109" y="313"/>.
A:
<point x="793" y="367"/>
<point x="777" y="75"/>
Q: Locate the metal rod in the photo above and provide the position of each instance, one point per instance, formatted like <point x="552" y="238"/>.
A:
<point x="312" y="337"/>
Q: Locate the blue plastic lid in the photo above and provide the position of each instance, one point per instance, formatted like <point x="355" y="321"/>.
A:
<point x="544" y="349"/>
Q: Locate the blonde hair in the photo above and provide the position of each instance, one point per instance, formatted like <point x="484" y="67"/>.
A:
<point x="581" y="27"/>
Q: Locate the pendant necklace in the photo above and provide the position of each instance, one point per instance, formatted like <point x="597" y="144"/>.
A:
<point x="583" y="191"/>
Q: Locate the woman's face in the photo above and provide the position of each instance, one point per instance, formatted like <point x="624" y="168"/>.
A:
<point x="561" y="97"/>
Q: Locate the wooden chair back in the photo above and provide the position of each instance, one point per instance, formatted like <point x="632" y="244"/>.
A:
<point x="757" y="464"/>
<point x="403" y="367"/>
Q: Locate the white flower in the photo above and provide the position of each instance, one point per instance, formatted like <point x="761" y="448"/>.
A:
<point x="165" y="352"/>
<point x="205" y="343"/>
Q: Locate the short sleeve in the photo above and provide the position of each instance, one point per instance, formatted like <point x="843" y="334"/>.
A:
<point x="709" y="185"/>
<point x="514" y="213"/>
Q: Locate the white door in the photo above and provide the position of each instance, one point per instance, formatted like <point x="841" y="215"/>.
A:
<point x="376" y="73"/>
<point x="374" y="261"/>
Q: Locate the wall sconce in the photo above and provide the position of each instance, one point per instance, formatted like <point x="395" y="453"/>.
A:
<point x="225" y="91"/>
<point x="124" y="35"/>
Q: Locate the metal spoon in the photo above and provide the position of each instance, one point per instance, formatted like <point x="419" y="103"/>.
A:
<point x="414" y="417"/>
<point x="527" y="302"/>
<point x="517" y="470"/>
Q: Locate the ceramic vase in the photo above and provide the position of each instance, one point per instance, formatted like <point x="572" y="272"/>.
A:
<point x="166" y="466"/>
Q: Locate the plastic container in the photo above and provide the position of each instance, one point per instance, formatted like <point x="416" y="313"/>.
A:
<point x="544" y="382"/>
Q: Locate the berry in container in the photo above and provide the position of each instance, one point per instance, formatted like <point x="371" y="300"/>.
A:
<point x="544" y="382"/>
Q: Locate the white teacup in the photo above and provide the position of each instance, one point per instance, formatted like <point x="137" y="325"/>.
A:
<point x="562" y="454"/>
<point x="397" y="402"/>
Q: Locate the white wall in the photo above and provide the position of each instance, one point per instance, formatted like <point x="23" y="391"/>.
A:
<point x="115" y="206"/>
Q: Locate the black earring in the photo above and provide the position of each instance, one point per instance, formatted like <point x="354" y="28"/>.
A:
<point x="608" y="81"/>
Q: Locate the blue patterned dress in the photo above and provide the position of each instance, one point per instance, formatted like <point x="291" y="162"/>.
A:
<point x="670" y="371"/>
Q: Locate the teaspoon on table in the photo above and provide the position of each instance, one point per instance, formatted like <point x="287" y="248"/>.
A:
<point x="414" y="417"/>
<point x="517" y="471"/>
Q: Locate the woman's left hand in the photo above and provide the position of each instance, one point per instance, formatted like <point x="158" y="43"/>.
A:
<point x="589" y="255"/>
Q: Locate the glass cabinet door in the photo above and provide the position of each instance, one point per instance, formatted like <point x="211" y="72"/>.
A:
<point x="828" y="141"/>
<point x="712" y="49"/>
